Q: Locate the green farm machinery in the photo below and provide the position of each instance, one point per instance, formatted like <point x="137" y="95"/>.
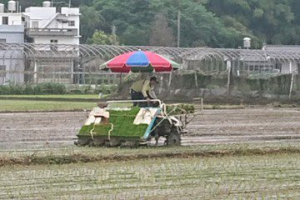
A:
<point x="116" y="123"/>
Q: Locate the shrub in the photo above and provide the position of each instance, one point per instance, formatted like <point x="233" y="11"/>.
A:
<point x="52" y="88"/>
<point x="43" y="88"/>
<point x="4" y="90"/>
<point x="37" y="89"/>
<point x="17" y="89"/>
<point x="28" y="90"/>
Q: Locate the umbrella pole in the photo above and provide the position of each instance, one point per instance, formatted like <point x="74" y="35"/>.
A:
<point x="170" y="80"/>
<point x="121" y="78"/>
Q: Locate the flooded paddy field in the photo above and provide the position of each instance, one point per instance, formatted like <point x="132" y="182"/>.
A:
<point x="251" y="153"/>
<point x="34" y="130"/>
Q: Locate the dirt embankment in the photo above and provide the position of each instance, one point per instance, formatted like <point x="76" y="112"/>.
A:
<point x="84" y="158"/>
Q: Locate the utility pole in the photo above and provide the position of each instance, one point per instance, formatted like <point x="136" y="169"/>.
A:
<point x="178" y="28"/>
<point x="113" y="33"/>
<point x="69" y="3"/>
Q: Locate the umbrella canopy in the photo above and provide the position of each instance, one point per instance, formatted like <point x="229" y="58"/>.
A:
<point x="140" y="61"/>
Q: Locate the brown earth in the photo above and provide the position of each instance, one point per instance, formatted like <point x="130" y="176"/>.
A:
<point x="59" y="129"/>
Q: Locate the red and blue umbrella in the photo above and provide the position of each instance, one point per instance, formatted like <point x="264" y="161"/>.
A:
<point x="140" y="61"/>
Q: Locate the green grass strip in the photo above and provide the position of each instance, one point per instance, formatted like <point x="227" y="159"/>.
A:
<point x="65" y="96"/>
<point x="29" y="105"/>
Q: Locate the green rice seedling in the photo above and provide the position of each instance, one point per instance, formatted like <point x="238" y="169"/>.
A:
<point x="120" y="124"/>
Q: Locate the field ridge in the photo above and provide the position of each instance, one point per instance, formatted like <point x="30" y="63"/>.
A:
<point x="82" y="157"/>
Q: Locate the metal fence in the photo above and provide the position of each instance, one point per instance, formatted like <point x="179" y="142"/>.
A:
<point x="79" y="64"/>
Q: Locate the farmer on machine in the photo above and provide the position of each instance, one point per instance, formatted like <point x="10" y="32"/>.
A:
<point x="143" y="90"/>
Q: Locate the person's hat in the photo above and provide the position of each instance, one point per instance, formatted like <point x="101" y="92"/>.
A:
<point x="153" y="78"/>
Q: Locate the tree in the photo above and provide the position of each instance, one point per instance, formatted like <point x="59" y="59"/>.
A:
<point x="268" y="21"/>
<point x="91" y="20"/>
<point x="132" y="18"/>
<point x="161" y="34"/>
<point x="212" y="23"/>
<point x="99" y="37"/>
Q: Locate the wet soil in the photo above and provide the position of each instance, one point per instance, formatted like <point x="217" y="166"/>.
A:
<point x="250" y="125"/>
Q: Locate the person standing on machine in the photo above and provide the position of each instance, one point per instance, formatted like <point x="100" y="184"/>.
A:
<point x="143" y="90"/>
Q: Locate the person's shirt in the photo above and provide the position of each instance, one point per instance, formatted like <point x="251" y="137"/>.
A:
<point x="143" y="86"/>
<point x="152" y="93"/>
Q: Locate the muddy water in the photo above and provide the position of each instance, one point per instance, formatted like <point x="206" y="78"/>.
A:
<point x="38" y="130"/>
<point x="59" y="129"/>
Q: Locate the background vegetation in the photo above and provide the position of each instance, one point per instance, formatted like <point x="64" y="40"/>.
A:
<point x="214" y="23"/>
<point x="55" y="89"/>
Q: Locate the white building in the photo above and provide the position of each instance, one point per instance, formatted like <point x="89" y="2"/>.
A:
<point x="11" y="27"/>
<point x="290" y="51"/>
<point x="45" y="25"/>
<point x="11" y="31"/>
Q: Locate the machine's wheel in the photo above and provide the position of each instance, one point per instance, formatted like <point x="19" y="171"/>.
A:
<point x="114" y="142"/>
<point x="82" y="141"/>
<point x="91" y="143"/>
<point x="99" y="141"/>
<point x="173" y="139"/>
<point x="130" y="143"/>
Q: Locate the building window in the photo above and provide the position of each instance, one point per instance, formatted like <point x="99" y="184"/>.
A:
<point x="5" y="20"/>
<point x="53" y="47"/>
<point x="71" y="23"/>
<point x="2" y="71"/>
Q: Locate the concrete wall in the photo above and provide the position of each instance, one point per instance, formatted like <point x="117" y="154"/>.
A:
<point x="60" y="40"/>
<point x="12" y="34"/>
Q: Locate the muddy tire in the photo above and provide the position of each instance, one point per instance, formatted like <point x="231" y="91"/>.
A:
<point x="114" y="142"/>
<point x="133" y="144"/>
<point x="130" y="143"/>
<point x="91" y="143"/>
<point x="107" y="143"/>
<point x="99" y="141"/>
<point x="173" y="139"/>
